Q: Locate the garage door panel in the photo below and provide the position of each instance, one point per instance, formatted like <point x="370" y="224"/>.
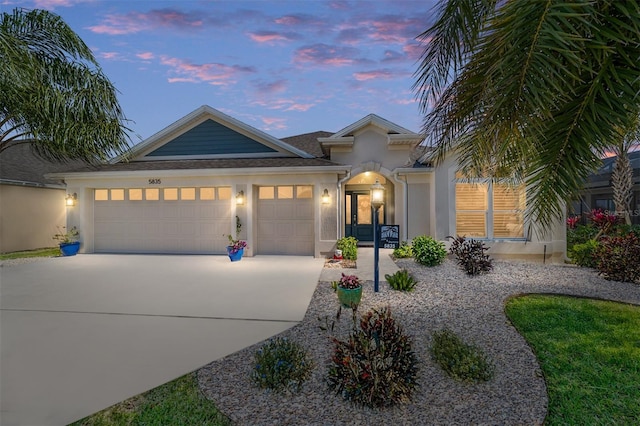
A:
<point x="189" y="226"/>
<point x="285" y="226"/>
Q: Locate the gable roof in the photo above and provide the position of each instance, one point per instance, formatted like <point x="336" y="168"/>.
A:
<point x="396" y="135"/>
<point x="218" y="136"/>
<point x="308" y="142"/>
<point x="20" y="166"/>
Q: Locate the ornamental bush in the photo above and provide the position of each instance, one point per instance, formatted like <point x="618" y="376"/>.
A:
<point x="403" y="251"/>
<point x="582" y="254"/>
<point x="349" y="247"/>
<point x="427" y="251"/>
<point x="471" y="256"/>
<point x="461" y="361"/>
<point x="280" y="365"/>
<point x="402" y="280"/>
<point x="618" y="258"/>
<point x="376" y="365"/>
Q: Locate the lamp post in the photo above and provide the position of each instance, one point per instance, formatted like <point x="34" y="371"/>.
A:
<point x="377" y="201"/>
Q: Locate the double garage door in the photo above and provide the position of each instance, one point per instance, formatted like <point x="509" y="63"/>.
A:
<point x="197" y="219"/>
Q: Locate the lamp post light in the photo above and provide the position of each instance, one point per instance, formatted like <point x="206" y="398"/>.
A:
<point x="377" y="201"/>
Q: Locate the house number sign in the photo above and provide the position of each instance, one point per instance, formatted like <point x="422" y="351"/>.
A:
<point x="389" y="236"/>
<point x="155" y="182"/>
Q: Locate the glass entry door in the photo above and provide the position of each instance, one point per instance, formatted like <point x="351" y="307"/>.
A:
<point x="359" y="215"/>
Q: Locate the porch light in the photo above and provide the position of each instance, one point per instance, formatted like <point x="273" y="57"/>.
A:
<point x="377" y="201"/>
<point x="326" y="198"/>
<point x="240" y="198"/>
<point x="70" y="199"/>
<point x="377" y="195"/>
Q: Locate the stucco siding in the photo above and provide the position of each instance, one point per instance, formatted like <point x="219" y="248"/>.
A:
<point x="419" y="209"/>
<point x="29" y="217"/>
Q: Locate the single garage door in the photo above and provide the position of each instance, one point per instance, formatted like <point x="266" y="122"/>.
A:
<point x="162" y="220"/>
<point x="285" y="220"/>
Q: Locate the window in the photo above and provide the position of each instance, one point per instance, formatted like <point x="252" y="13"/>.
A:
<point x="135" y="194"/>
<point x="207" y="194"/>
<point x="187" y="194"/>
<point x="266" y="193"/>
<point x="489" y="210"/>
<point x="224" y="193"/>
<point x="101" y="195"/>
<point x="285" y="192"/>
<point x="151" y="194"/>
<point x="304" y="191"/>
<point x="170" y="194"/>
<point x="117" y="194"/>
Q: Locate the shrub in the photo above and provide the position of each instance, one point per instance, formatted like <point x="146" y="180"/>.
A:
<point x="580" y="235"/>
<point x="376" y="365"/>
<point x="582" y="254"/>
<point x="618" y="258"/>
<point x="471" y="256"/>
<point x="461" y="361"/>
<point x="403" y="251"/>
<point x="401" y="280"/>
<point x="280" y="365"/>
<point x="427" y="251"/>
<point x="349" y="247"/>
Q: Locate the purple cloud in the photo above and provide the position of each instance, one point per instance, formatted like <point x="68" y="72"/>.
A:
<point x="271" y="87"/>
<point x="324" y="54"/>
<point x="213" y="73"/>
<point x="134" y="22"/>
<point x="382" y="74"/>
<point x="272" y="36"/>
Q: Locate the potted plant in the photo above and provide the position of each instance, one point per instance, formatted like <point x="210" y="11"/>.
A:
<point x="68" y="240"/>
<point x="236" y="246"/>
<point x="349" y="290"/>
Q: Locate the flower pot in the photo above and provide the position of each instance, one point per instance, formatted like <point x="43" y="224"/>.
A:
<point x="234" y="257"/>
<point x="69" y="249"/>
<point x="349" y="296"/>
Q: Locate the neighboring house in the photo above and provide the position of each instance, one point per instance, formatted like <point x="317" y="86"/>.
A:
<point x="31" y="206"/>
<point x="598" y="192"/>
<point x="182" y="189"/>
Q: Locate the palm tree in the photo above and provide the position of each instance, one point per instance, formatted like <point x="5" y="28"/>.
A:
<point x="530" y="89"/>
<point x="53" y="93"/>
<point x="622" y="176"/>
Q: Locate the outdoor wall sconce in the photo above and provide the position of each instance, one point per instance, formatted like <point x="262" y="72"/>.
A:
<point x="326" y="198"/>
<point x="240" y="198"/>
<point x="70" y="199"/>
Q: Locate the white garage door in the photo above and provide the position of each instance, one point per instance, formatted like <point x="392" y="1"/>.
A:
<point x="285" y="220"/>
<point x="162" y="220"/>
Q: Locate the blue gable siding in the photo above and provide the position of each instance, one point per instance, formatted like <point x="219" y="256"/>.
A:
<point x="210" y="138"/>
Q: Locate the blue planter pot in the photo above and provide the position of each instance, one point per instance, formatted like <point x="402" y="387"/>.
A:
<point x="69" y="249"/>
<point x="234" y="257"/>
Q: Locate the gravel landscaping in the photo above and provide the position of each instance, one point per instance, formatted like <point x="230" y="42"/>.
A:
<point x="445" y="297"/>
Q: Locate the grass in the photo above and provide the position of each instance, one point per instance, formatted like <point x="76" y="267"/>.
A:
<point x="43" y="252"/>
<point x="179" y="402"/>
<point x="589" y="351"/>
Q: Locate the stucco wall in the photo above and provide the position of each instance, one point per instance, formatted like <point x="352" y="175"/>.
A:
<point x="29" y="216"/>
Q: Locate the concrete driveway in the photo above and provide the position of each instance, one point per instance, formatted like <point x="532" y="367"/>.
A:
<point x="78" y="334"/>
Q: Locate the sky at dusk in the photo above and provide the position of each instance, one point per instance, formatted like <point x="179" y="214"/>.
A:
<point x="285" y="67"/>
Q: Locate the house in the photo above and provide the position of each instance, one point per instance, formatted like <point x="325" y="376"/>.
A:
<point x="185" y="188"/>
<point x="598" y="192"/>
<point x="32" y="206"/>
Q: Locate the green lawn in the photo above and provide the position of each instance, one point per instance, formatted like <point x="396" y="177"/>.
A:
<point x="44" y="252"/>
<point x="179" y="402"/>
<point x="589" y="351"/>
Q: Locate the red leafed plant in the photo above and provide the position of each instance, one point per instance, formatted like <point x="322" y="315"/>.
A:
<point x="603" y="220"/>
<point x="618" y="258"/>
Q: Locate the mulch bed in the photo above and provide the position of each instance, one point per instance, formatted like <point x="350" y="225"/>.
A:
<point x="340" y="263"/>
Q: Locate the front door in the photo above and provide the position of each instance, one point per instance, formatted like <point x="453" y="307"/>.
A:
<point x="359" y="215"/>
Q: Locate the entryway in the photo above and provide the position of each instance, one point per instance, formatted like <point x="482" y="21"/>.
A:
<point x="358" y="213"/>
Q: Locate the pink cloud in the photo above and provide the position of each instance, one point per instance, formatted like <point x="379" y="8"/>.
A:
<point x="271" y="36"/>
<point x="274" y="123"/>
<point x="213" y="73"/>
<point x="135" y="22"/>
<point x="413" y="50"/>
<point x="298" y="19"/>
<point x="383" y="74"/>
<point x="324" y="54"/>
<point x="300" y="107"/>
<point x="146" y="56"/>
<point x="110" y="56"/>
